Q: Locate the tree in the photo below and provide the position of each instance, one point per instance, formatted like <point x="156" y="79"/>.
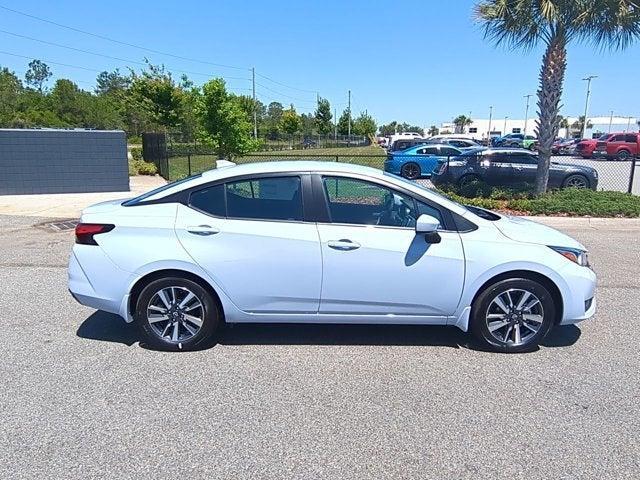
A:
<point x="10" y="92"/>
<point x="555" y="23"/>
<point x="224" y="122"/>
<point x="433" y="130"/>
<point x="323" y="117"/>
<point x="395" y="127"/>
<point x="70" y="104"/>
<point x="343" y="123"/>
<point x="364" y="125"/>
<point x="462" y="122"/>
<point x="111" y="82"/>
<point x="156" y="97"/>
<point x="579" y="124"/>
<point x="37" y="75"/>
<point x="290" y="121"/>
<point x="564" y="123"/>
<point x="272" y="119"/>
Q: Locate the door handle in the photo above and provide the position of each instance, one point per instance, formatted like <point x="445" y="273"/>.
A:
<point x="203" y="230"/>
<point x="343" y="244"/>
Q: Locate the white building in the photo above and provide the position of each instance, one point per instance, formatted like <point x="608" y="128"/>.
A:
<point x="502" y="126"/>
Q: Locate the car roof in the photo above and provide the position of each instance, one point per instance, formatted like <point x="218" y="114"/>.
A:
<point x="300" y="166"/>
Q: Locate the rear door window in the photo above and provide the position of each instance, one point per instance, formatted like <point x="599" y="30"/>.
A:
<point x="269" y="198"/>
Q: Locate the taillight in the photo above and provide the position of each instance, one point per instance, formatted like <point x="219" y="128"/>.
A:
<point x="86" y="231"/>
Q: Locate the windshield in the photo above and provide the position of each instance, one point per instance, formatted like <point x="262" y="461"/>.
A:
<point x="146" y="195"/>
<point x="604" y="137"/>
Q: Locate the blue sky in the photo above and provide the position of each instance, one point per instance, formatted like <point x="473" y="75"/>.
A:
<point x="420" y="62"/>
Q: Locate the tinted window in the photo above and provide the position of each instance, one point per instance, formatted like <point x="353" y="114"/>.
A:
<point x="363" y="203"/>
<point x="448" y="151"/>
<point x="209" y="200"/>
<point x="427" y="151"/>
<point x="424" y="209"/>
<point x="524" y="158"/>
<point x="631" y="138"/>
<point x="617" y="138"/>
<point x="271" y="198"/>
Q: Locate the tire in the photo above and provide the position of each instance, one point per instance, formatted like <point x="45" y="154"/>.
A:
<point x="576" y="181"/>
<point x="411" y="171"/>
<point x="466" y="179"/>
<point x="196" y="325"/>
<point x="524" y="328"/>
<point x="623" y="155"/>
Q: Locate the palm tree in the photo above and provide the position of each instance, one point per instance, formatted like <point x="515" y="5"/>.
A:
<point x="433" y="130"/>
<point x="612" y="24"/>
<point x="579" y="123"/>
<point x="461" y="121"/>
<point x="564" y="123"/>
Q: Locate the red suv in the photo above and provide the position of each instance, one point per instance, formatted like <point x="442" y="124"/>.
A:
<point x="618" y="146"/>
<point x="585" y="148"/>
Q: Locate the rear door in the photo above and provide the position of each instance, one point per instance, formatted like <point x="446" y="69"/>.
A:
<point x="524" y="167"/>
<point x="251" y="237"/>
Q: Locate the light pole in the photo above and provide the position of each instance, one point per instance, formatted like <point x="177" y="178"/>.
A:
<point x="489" y="132"/>
<point x="504" y="130"/>
<point x="629" y="124"/>
<point x="610" y="121"/>
<point x="586" y="103"/>
<point x="526" y="112"/>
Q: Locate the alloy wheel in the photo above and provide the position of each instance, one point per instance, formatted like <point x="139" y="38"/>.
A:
<point x="576" y="181"/>
<point x="175" y="314"/>
<point x="514" y="317"/>
<point x="411" y="171"/>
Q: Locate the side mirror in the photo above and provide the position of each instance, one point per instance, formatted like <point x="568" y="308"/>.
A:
<point x="428" y="225"/>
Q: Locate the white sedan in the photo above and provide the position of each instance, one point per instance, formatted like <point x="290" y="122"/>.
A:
<point x="316" y="242"/>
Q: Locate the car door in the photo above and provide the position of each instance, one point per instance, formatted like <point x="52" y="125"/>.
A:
<point x="374" y="263"/>
<point x="251" y="237"/>
<point x="524" y="167"/>
<point x="496" y="169"/>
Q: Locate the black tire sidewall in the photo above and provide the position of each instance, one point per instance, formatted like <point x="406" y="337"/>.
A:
<point x="412" y="164"/>
<point x="209" y="325"/>
<point x="566" y="180"/>
<point x="478" y="324"/>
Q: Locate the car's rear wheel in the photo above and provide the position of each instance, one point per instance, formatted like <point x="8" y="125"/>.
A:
<point x="623" y="155"/>
<point x="410" y="170"/>
<point x="467" y="179"/>
<point x="513" y="315"/>
<point x="176" y="313"/>
<point x="576" y="181"/>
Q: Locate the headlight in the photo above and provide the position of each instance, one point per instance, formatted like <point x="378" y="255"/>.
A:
<point x="577" y="256"/>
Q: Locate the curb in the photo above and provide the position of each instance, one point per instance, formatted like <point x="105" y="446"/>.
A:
<point x="593" y="223"/>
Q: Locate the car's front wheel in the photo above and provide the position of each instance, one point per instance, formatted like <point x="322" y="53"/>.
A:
<point x="176" y="313"/>
<point x="513" y="315"/>
<point x="576" y="181"/>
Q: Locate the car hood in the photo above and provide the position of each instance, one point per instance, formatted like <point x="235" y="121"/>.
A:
<point x="527" y="231"/>
<point x="104" y="206"/>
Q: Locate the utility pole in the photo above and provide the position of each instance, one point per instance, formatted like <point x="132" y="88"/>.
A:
<point x="610" y="121"/>
<point x="526" y="112"/>
<point x="255" y="104"/>
<point x="489" y="132"/>
<point x="586" y="103"/>
<point x="335" y="126"/>
<point x="349" y="116"/>
<point x="504" y="130"/>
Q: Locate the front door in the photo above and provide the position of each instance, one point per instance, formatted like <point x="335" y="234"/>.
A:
<point x="496" y="168"/>
<point x="373" y="261"/>
<point x="250" y="237"/>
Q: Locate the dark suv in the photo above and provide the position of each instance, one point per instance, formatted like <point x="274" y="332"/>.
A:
<point x="507" y="167"/>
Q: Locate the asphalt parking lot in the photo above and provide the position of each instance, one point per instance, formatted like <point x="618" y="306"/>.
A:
<point x="81" y="399"/>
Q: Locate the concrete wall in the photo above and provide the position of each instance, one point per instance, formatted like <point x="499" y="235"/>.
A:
<point x="62" y="161"/>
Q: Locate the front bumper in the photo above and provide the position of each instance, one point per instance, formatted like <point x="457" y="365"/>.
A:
<point x="580" y="296"/>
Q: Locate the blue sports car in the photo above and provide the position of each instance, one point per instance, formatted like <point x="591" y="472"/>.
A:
<point x="420" y="160"/>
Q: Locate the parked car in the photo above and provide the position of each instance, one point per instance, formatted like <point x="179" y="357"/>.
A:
<point x="504" y="167"/>
<point x="323" y="242"/>
<point x="515" y="140"/>
<point x="618" y="146"/>
<point x="404" y="143"/>
<point x="564" y="146"/>
<point x="309" y="143"/>
<point x="457" y="142"/>
<point x="418" y="161"/>
<point x="585" y="147"/>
